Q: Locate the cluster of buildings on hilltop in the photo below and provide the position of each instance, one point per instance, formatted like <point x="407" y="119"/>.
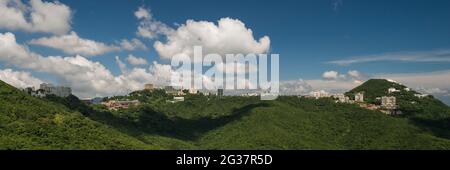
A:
<point x="341" y="98"/>
<point x="177" y="92"/>
<point x="120" y="104"/>
<point x="49" y="89"/>
<point x="388" y="103"/>
<point x="320" y="94"/>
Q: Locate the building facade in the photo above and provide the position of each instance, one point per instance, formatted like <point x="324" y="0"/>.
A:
<point x="393" y="90"/>
<point x="320" y="94"/>
<point x="50" y="89"/>
<point x="149" y="87"/>
<point x="174" y="90"/>
<point x="193" y="91"/>
<point x="389" y="102"/>
<point x="117" y="104"/>
<point x="359" y="97"/>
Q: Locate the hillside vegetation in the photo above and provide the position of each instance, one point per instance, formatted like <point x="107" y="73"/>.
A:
<point x="204" y="122"/>
<point x="27" y="122"/>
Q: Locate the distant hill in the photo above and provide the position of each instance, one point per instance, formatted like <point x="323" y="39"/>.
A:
<point x="374" y="88"/>
<point x="202" y="122"/>
<point x="28" y="122"/>
<point x="287" y="123"/>
<point x="420" y="107"/>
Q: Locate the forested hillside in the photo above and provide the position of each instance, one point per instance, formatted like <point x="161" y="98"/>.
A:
<point x="27" y="122"/>
<point x="209" y="122"/>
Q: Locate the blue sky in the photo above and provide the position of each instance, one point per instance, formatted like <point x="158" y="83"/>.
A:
<point x="308" y="34"/>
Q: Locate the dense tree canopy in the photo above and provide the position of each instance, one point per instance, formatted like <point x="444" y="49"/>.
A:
<point x="229" y="122"/>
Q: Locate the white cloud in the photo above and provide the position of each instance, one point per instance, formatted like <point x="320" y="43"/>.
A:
<point x="421" y="56"/>
<point x="133" y="44"/>
<point x="229" y="36"/>
<point x="352" y="75"/>
<point x="333" y="85"/>
<point x="330" y="75"/>
<point x="357" y="76"/>
<point x="122" y="66"/>
<point x="149" y="27"/>
<point x="19" y="79"/>
<point x="36" y="16"/>
<point x="87" y="78"/>
<point x="142" y="13"/>
<point x="133" y="60"/>
<point x="295" y="87"/>
<point x="237" y="67"/>
<point x="436" y="91"/>
<point x="335" y="82"/>
<point x="73" y="44"/>
<point x="162" y="73"/>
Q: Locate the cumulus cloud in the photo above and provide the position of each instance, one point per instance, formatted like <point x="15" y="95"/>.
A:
<point x="19" y="79"/>
<point x="142" y="13"/>
<point x="355" y="74"/>
<point x="335" y="82"/>
<point x="352" y="75"/>
<point x="420" y="56"/>
<point x="133" y="60"/>
<point x="149" y="27"/>
<point x="330" y="75"/>
<point x="73" y="44"/>
<point x="295" y="87"/>
<point x="122" y="66"/>
<point x="132" y="44"/>
<point x="87" y="78"/>
<point x="333" y="86"/>
<point x="229" y="36"/>
<point x="36" y="16"/>
<point x="435" y="91"/>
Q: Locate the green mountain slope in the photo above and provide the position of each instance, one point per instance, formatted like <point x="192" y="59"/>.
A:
<point x="27" y="122"/>
<point x="287" y="123"/>
<point x="428" y="112"/>
<point x="291" y="123"/>
<point x="203" y="122"/>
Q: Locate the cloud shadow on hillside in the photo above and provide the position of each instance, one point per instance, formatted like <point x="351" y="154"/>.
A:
<point x="152" y="122"/>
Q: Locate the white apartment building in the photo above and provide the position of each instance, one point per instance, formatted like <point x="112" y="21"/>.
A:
<point x="320" y="94"/>
<point x="393" y="90"/>
<point x="359" y="97"/>
<point x="389" y="102"/>
<point x="60" y="91"/>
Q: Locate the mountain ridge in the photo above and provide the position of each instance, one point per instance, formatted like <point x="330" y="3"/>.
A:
<point x="203" y="122"/>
